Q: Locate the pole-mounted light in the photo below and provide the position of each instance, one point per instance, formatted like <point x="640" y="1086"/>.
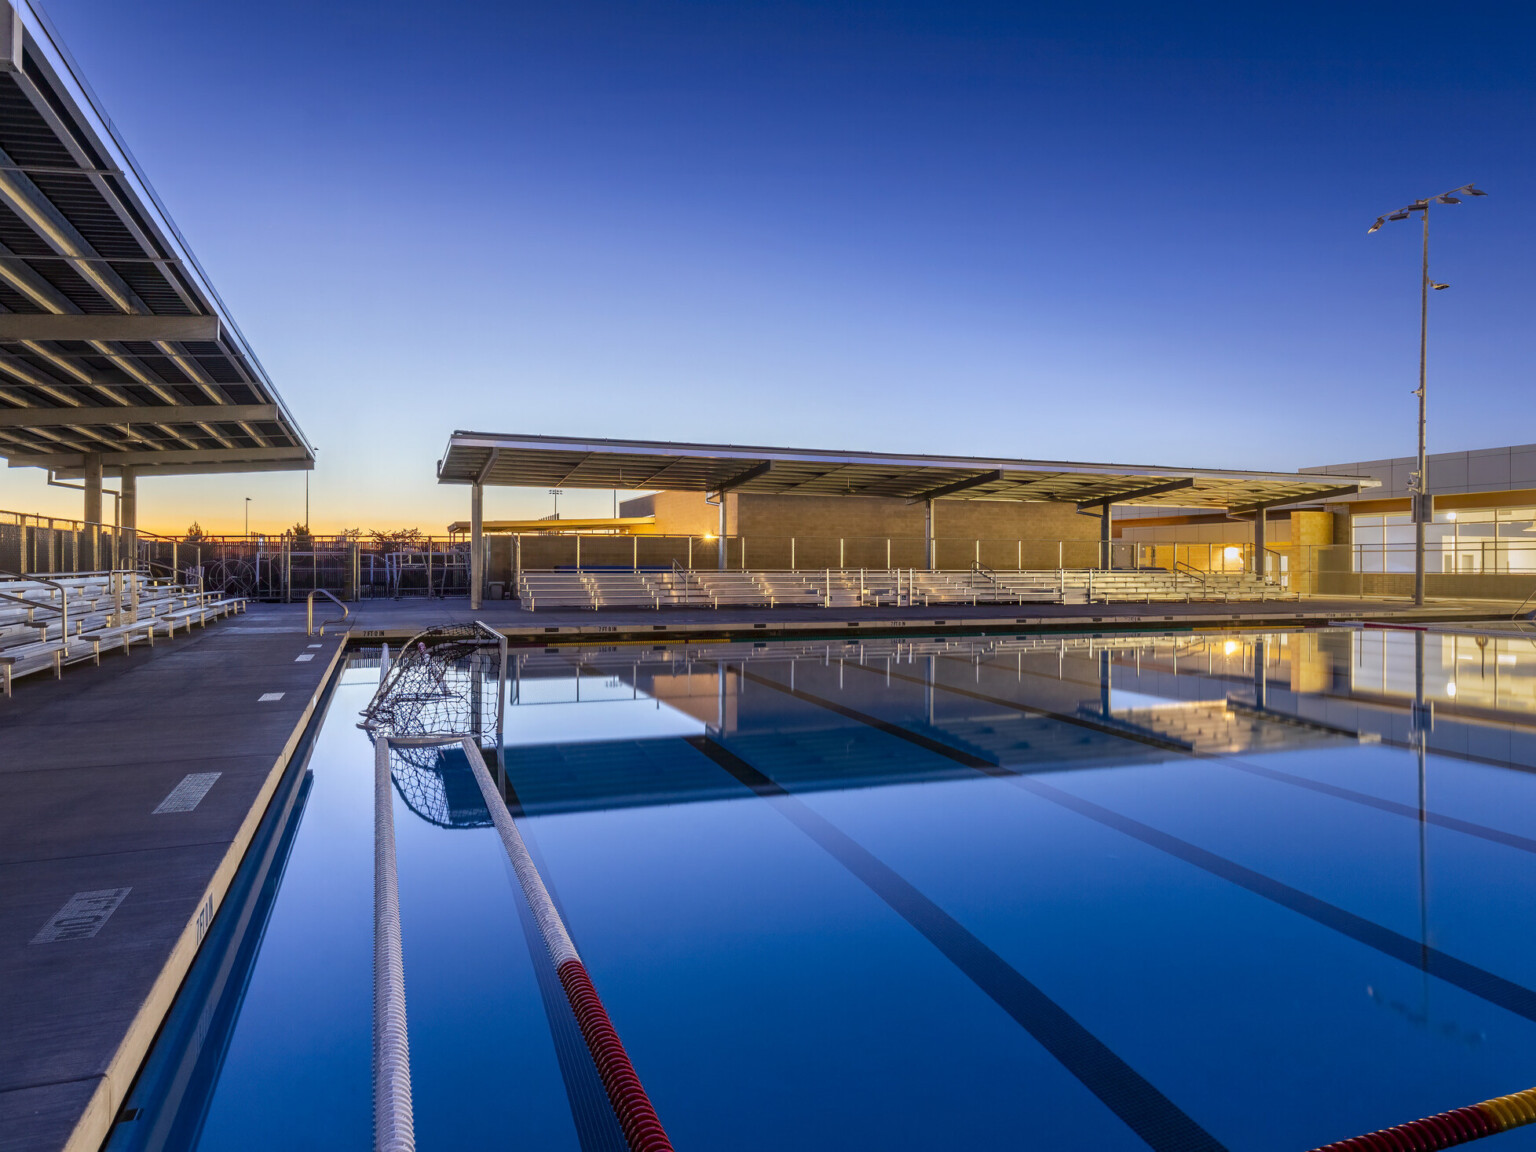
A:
<point x="1418" y="482"/>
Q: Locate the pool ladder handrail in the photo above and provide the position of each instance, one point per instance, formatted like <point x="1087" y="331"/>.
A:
<point x="1515" y="615"/>
<point x="309" y="624"/>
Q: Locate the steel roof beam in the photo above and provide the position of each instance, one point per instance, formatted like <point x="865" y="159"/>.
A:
<point x="110" y="467"/>
<point x="135" y="414"/>
<point x="1308" y="498"/>
<point x="490" y="462"/>
<point x="991" y="477"/>
<point x="1136" y="494"/>
<point x="36" y="326"/>
<point x="167" y="456"/>
<point x="741" y="478"/>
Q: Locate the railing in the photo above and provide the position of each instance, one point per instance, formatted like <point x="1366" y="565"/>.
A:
<point x="1185" y="568"/>
<point x="1515" y="615"/>
<point x="309" y="627"/>
<point x="62" y="609"/>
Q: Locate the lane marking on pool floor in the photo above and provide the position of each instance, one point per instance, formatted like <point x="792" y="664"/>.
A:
<point x="1468" y="977"/>
<point x="1123" y="1090"/>
<point x="188" y="794"/>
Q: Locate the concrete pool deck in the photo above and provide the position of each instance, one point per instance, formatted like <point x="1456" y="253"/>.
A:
<point x="395" y="620"/>
<point x="117" y="846"/>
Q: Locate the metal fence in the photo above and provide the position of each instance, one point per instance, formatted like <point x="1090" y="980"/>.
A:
<point x="288" y="568"/>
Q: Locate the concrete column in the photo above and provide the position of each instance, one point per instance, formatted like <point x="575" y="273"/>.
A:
<point x="476" y="546"/>
<point x="1106" y="553"/>
<point x="128" y="519"/>
<point x="1258" y="543"/>
<point x="92" y="488"/>
<point x="722" y="547"/>
<point x="930" y="550"/>
<point x="92" y="516"/>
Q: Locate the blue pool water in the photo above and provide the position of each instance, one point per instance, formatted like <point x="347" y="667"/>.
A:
<point x="1036" y="892"/>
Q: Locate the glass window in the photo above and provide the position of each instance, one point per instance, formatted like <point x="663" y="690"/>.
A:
<point x="1367" y="534"/>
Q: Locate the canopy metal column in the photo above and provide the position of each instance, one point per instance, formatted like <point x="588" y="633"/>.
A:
<point x="476" y="545"/>
<point x="128" y="519"/>
<point x="92" y="488"/>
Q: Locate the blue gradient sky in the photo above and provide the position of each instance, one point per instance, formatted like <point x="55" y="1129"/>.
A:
<point x="1085" y="231"/>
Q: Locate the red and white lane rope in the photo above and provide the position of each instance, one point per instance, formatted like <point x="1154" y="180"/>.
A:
<point x="1447" y="1129"/>
<point x="394" y="1125"/>
<point x="642" y="1128"/>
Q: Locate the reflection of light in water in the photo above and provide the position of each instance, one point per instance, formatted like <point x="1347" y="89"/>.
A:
<point x="1450" y="689"/>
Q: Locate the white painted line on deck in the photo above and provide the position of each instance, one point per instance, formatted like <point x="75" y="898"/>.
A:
<point x="188" y="794"/>
<point x="267" y="697"/>
<point x="306" y="656"/>
<point x="317" y="645"/>
<point x="82" y="916"/>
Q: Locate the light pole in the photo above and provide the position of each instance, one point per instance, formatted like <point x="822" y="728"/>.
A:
<point x="1418" y="483"/>
<point x="247" y="517"/>
<point x="555" y="492"/>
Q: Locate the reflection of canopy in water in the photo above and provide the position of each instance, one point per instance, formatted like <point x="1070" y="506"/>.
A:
<point x="438" y="785"/>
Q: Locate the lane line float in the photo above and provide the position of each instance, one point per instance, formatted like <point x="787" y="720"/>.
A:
<point x="642" y="1127"/>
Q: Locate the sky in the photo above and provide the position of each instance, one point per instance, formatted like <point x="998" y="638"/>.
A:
<point x="1088" y="231"/>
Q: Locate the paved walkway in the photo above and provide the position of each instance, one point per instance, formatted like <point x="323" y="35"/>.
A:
<point x="128" y="796"/>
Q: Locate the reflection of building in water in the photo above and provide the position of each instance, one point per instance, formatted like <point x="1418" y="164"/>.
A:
<point x="1492" y="673"/>
<point x="1032" y="703"/>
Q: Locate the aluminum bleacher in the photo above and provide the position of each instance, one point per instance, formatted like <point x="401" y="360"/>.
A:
<point x="869" y="587"/>
<point x="48" y="622"/>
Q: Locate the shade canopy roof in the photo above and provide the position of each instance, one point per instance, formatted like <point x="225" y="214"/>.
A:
<point x="558" y="462"/>
<point x="112" y="340"/>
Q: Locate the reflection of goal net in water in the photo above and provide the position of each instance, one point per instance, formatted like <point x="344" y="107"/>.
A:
<point x="438" y="784"/>
<point x="445" y="683"/>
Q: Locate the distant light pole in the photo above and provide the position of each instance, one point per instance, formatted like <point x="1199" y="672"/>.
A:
<point x="1418" y="483"/>
<point x="555" y="492"/>
<point x="247" y="516"/>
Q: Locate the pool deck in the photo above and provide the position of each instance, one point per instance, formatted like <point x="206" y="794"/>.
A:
<point x="87" y="761"/>
<point x="394" y="620"/>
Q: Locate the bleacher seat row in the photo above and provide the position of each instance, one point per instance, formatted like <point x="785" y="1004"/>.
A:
<point x="46" y="623"/>
<point x="855" y="587"/>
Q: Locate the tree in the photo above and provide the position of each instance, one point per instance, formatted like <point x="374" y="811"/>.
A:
<point x="302" y="540"/>
<point x="195" y="534"/>
<point x="400" y="540"/>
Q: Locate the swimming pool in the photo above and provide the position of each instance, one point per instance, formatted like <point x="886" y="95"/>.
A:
<point x="1187" y="891"/>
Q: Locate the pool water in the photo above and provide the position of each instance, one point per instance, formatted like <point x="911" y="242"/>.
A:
<point x="1180" y="892"/>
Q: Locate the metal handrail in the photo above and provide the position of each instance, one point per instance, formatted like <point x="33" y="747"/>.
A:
<point x="1515" y="615"/>
<point x="309" y="626"/>
<point x="980" y="569"/>
<point x="63" y="608"/>
<point x="1189" y="569"/>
